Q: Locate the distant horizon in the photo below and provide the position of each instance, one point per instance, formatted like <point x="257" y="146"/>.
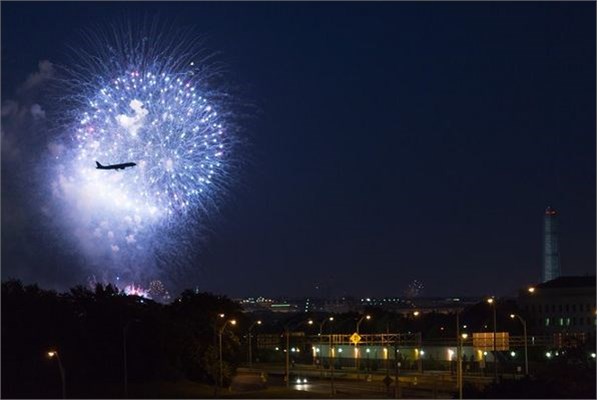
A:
<point x="313" y="296"/>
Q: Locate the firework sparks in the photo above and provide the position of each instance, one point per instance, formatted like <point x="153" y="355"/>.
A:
<point x="133" y="290"/>
<point x="147" y="104"/>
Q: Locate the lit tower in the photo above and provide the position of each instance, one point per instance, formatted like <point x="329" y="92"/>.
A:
<point x="551" y="258"/>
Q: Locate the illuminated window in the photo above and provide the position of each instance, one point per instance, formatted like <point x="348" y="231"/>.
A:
<point x="547" y="322"/>
<point x="560" y="322"/>
<point x="568" y="321"/>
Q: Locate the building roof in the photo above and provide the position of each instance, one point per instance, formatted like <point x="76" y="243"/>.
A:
<point x="569" y="282"/>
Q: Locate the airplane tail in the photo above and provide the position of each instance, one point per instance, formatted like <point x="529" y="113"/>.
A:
<point x="98" y="165"/>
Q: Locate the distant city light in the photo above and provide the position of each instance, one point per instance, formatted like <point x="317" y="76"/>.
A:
<point x="512" y="354"/>
<point x="548" y="354"/>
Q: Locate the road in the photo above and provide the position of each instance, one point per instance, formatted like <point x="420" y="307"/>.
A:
<point x="348" y="386"/>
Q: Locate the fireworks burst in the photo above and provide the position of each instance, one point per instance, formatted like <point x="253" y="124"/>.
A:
<point x="142" y="98"/>
<point x="133" y="290"/>
<point x="414" y="289"/>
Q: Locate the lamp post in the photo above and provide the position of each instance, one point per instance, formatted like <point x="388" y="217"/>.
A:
<point x="513" y="316"/>
<point x="259" y="322"/>
<point x="321" y="342"/>
<point x="419" y="344"/>
<point x="232" y="322"/>
<point x="459" y="364"/>
<point x="54" y="354"/>
<point x="356" y="351"/>
<point x="492" y="302"/>
<point x="458" y="342"/>
<point x="288" y="327"/>
<point x="331" y="357"/>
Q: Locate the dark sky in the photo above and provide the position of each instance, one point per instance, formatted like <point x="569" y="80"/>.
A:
<point x="392" y="142"/>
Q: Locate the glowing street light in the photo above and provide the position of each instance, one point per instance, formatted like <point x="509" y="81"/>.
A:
<point x="491" y="301"/>
<point x="287" y="329"/>
<point x="321" y="324"/>
<point x="230" y="322"/>
<point x="356" y="352"/>
<point x="531" y="289"/>
<point x="54" y="354"/>
<point x="524" y="323"/>
<point x="259" y="322"/>
<point x="459" y="356"/>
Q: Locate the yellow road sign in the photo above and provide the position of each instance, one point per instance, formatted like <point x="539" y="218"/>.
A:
<point x="355" y="338"/>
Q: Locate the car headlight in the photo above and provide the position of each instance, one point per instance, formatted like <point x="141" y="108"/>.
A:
<point x="305" y="380"/>
<point x="298" y="380"/>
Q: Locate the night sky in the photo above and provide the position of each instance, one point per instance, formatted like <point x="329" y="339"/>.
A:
<point x="386" y="142"/>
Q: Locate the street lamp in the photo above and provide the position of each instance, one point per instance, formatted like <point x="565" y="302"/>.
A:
<point x="531" y="289"/>
<point x="513" y="316"/>
<point x="491" y="301"/>
<point x="231" y="322"/>
<point x="458" y="343"/>
<point x="330" y="319"/>
<point x="54" y="354"/>
<point x="287" y="328"/>
<point x="356" y="351"/>
<point x="259" y="322"/>
<point x="416" y="314"/>
<point x="463" y="337"/>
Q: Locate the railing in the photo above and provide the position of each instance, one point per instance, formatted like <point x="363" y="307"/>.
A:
<point x="415" y="340"/>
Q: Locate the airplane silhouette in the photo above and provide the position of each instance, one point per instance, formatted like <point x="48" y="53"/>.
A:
<point x="115" y="166"/>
